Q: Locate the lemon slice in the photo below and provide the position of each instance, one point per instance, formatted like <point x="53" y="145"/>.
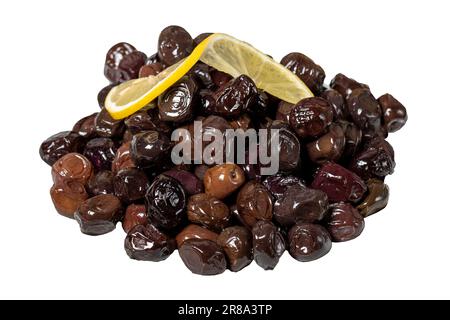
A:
<point x="236" y="57"/>
<point x="222" y="52"/>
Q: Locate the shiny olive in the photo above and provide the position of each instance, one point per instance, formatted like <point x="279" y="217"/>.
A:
<point x="254" y="203"/>
<point x="107" y="127"/>
<point x="73" y="167"/>
<point x="191" y="184"/>
<point x="147" y="243"/>
<point x="59" y="145"/>
<point x="328" y="147"/>
<point x="394" y="113"/>
<point x="345" y="85"/>
<point x="377" y="198"/>
<point x="364" y="111"/>
<point x="300" y="204"/>
<point x="98" y="215"/>
<point x="222" y="180"/>
<point x="268" y="244"/>
<point x="344" y="222"/>
<point x="311" y="117"/>
<point x="203" y="256"/>
<point x="130" y="184"/>
<point x="166" y="202"/>
<point x="135" y="214"/>
<point x="174" y="44"/>
<point x="306" y="69"/>
<point x="113" y="58"/>
<point x="150" y="148"/>
<point x="177" y="103"/>
<point x="101" y="183"/>
<point x="375" y="160"/>
<point x="308" y="242"/>
<point x="122" y="160"/>
<point x="85" y="127"/>
<point x="237" y="243"/>
<point x="339" y="183"/>
<point x="67" y="197"/>
<point x="194" y="231"/>
<point x="337" y="102"/>
<point x="101" y="152"/>
<point x="208" y="211"/>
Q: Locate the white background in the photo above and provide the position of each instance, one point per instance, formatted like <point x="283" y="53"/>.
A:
<point x="51" y="67"/>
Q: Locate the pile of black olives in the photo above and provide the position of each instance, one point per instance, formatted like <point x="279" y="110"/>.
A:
<point x="333" y="154"/>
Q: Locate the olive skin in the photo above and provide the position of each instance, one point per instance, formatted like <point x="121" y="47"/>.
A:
<point x="166" y="202"/>
<point x="394" y="113"/>
<point x="344" y="222"/>
<point x="147" y="243"/>
<point x="268" y="244"/>
<point x="308" y="242"/>
<point x="306" y="69"/>
<point x="98" y="215"/>
<point x="377" y="198"/>
<point x="237" y="243"/>
<point x="203" y="257"/>
<point x="310" y="117"/>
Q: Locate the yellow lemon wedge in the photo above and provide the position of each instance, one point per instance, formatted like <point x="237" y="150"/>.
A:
<point x="225" y="54"/>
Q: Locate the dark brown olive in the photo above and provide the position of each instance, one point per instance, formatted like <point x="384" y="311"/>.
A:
<point x="394" y="113"/>
<point x="177" y="103"/>
<point x="130" y="184"/>
<point x="345" y="85"/>
<point x="194" y="231"/>
<point x="254" y="203"/>
<point x="222" y="180"/>
<point x="300" y="204"/>
<point x="122" y="159"/>
<point x="67" y="197"/>
<point x="344" y="223"/>
<point x="311" y="117"/>
<point x="166" y="202"/>
<point x="59" y="145"/>
<point x="305" y="68"/>
<point x="364" y="111"/>
<point x="237" y="243"/>
<point x="101" y="152"/>
<point x="268" y="244"/>
<point x="283" y="111"/>
<point x="208" y="211"/>
<point x="203" y="257"/>
<point x="287" y="146"/>
<point x="377" y="198"/>
<point x="147" y="243"/>
<point x="375" y="160"/>
<point x="113" y="58"/>
<point x="339" y="183"/>
<point x="279" y="183"/>
<point x="98" y="215"/>
<point x="150" y="148"/>
<point x="328" y="147"/>
<point x="72" y="167"/>
<point x="191" y="184"/>
<point x="85" y="127"/>
<point x="134" y="214"/>
<point x="337" y="102"/>
<point x="101" y="183"/>
<point x="151" y="69"/>
<point x="107" y="127"/>
<point x="130" y="65"/>
<point x="174" y="44"/>
<point x="103" y="93"/>
<point x="353" y="138"/>
<point x="308" y="242"/>
<point x="201" y="73"/>
<point x="231" y="99"/>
